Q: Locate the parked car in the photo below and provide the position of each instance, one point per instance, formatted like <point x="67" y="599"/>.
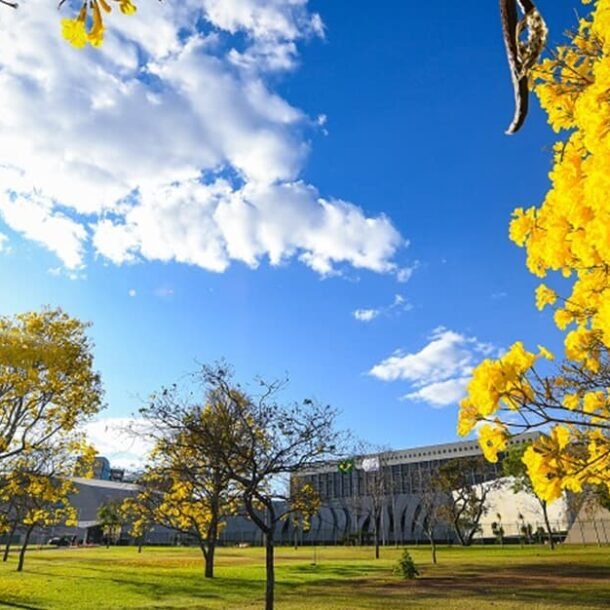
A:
<point x="60" y="541"/>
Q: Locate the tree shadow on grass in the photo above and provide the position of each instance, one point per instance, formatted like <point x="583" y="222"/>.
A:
<point x="7" y="604"/>
<point x="328" y="571"/>
<point x="558" y="584"/>
<point x="171" y="591"/>
<point x="561" y="585"/>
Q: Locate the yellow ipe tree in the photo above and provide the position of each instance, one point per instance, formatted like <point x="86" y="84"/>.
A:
<point x="47" y="382"/>
<point x="47" y="389"/>
<point x="568" y="233"/>
<point x="185" y="486"/>
<point x="35" y="489"/>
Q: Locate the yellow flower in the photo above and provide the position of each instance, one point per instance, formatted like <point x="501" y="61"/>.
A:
<point x="522" y="225"/>
<point x="127" y="8"/>
<point x="492" y="439"/>
<point x="543" y="352"/>
<point x="571" y="401"/>
<point x="96" y="35"/>
<point x="562" y="318"/>
<point x="545" y="296"/>
<point x="467" y="417"/>
<point x="73" y="30"/>
<point x="594" y="401"/>
<point x="561" y="436"/>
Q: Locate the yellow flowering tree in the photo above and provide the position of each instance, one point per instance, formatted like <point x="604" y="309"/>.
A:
<point x="35" y="491"/>
<point x="109" y="517"/>
<point x="304" y="503"/>
<point x="47" y="383"/>
<point x="259" y="441"/>
<point x="186" y="485"/>
<point x="569" y="234"/>
<point x="185" y="498"/>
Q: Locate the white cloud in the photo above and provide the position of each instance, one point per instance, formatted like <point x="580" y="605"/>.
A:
<point x="404" y="274"/>
<point x="132" y="292"/>
<point x="398" y="305"/>
<point x="122" y="440"/>
<point x="169" y="143"/>
<point x="35" y="219"/>
<point x="439" y="372"/>
<point x="209" y="225"/>
<point x="284" y="19"/>
<point x="3" y="243"/>
<point x="366" y="315"/>
<point x="441" y="393"/>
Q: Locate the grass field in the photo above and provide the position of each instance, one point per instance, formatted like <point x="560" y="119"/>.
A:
<point x="341" y="579"/>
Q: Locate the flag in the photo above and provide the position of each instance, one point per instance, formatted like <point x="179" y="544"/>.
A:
<point x="345" y="466"/>
<point x="370" y="464"/>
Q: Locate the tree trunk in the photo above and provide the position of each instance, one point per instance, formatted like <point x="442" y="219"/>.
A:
<point x="212" y="536"/>
<point x="24" y="546"/>
<point x="209" y="560"/>
<point x="459" y="533"/>
<point x="7" y="547"/>
<point x="470" y="536"/>
<point x="208" y="563"/>
<point x="475" y="522"/>
<point x="267" y="527"/>
<point x="430" y="536"/>
<point x="377" y="537"/>
<point x="548" y="525"/>
<point x="270" y="570"/>
<point x="433" y="544"/>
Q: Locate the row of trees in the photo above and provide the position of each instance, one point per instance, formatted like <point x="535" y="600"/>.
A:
<point x="230" y="453"/>
<point x="218" y="450"/>
<point x="453" y="496"/>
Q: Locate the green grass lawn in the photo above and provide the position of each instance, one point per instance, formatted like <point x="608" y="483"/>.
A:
<point x="342" y="579"/>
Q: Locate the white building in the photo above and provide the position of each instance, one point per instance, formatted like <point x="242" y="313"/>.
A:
<point x="348" y="506"/>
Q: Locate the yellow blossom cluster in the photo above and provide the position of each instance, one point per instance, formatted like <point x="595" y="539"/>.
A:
<point x="304" y="504"/>
<point x="568" y="233"/>
<point x="46" y="375"/>
<point x="496" y="383"/>
<point x="88" y="26"/>
<point x="36" y="500"/>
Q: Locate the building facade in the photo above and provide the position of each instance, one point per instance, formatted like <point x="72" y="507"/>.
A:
<point x="353" y="498"/>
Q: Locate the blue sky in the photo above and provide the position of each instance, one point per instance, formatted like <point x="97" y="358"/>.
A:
<point x="168" y="189"/>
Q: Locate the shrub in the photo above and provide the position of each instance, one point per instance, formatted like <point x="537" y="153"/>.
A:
<point x="406" y="567"/>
